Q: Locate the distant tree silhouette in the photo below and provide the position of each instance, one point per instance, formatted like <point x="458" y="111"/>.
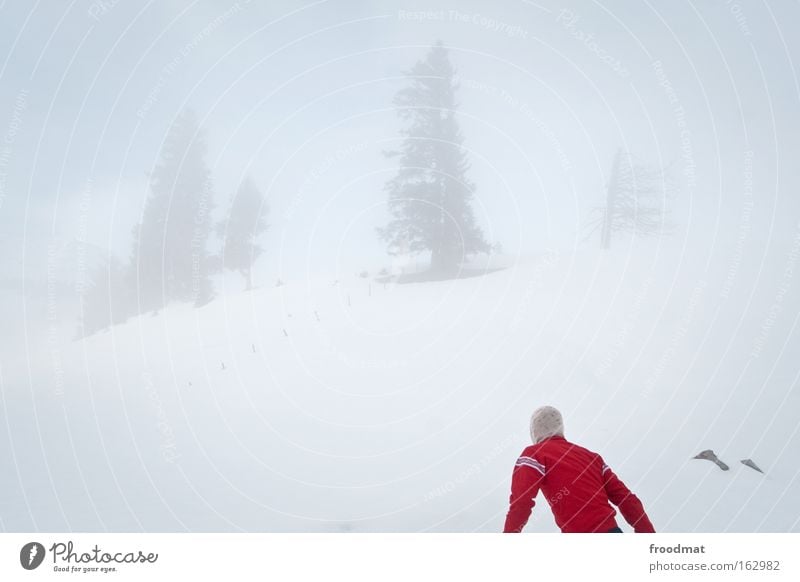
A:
<point x="105" y="300"/>
<point x="170" y="261"/>
<point x="636" y="199"/>
<point x="245" y="223"/>
<point x="430" y="197"/>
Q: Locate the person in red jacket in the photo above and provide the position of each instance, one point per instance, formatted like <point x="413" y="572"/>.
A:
<point x="575" y="481"/>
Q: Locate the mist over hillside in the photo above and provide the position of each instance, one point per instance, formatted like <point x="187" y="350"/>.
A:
<point x="310" y="267"/>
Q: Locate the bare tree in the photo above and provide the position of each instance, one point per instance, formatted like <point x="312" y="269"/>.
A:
<point x="636" y="200"/>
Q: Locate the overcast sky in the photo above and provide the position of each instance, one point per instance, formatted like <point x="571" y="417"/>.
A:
<point x="298" y="96"/>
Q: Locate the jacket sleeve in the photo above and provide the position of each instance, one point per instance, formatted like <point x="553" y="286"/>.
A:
<point x="629" y="505"/>
<point x="525" y="482"/>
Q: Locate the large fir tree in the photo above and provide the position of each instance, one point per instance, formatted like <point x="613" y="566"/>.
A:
<point x="430" y="197"/>
<point x="170" y="261"/>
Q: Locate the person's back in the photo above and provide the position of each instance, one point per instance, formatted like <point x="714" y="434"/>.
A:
<point x="575" y="481"/>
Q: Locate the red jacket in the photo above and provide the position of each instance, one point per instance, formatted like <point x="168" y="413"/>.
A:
<point x="577" y="484"/>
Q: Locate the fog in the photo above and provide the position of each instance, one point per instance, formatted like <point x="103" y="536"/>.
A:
<point x="692" y="320"/>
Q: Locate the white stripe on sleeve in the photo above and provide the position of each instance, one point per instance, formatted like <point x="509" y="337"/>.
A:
<point x="530" y="462"/>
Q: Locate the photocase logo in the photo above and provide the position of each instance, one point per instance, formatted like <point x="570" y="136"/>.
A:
<point x="31" y="555"/>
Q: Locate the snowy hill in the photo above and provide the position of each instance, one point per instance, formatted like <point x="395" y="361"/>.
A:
<point x="358" y="406"/>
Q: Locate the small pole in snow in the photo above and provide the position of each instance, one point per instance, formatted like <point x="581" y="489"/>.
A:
<point x="223" y="365"/>
<point x="254" y="348"/>
<point x="316" y="315"/>
<point x="285" y="333"/>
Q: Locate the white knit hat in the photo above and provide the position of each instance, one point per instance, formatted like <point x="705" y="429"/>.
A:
<point x="546" y="422"/>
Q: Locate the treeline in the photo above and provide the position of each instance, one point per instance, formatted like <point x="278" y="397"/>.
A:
<point x="430" y="203"/>
<point x="171" y="259"/>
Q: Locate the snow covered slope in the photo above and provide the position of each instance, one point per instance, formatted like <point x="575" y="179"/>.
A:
<point x="351" y="405"/>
